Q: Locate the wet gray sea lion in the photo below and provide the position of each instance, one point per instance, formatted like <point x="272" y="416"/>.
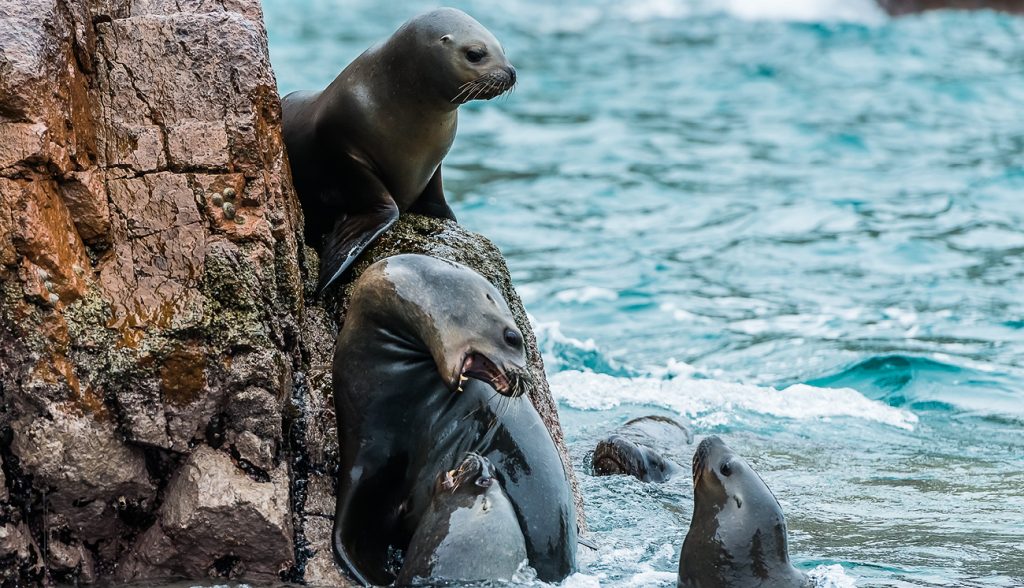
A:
<point x="469" y="533"/>
<point x="416" y="329"/>
<point x="642" y="448"/>
<point x="370" y="145"/>
<point x="737" y="536"/>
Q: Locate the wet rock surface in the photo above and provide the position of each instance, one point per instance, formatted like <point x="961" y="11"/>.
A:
<point x="165" y="400"/>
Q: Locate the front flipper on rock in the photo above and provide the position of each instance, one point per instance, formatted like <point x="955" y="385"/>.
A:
<point x="350" y="236"/>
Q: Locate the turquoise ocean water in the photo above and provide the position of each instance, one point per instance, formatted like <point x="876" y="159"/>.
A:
<point x="798" y="224"/>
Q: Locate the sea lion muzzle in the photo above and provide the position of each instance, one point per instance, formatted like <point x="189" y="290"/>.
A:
<point x="512" y="382"/>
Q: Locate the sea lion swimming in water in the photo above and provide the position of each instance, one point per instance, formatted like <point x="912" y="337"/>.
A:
<point x="370" y="145"/>
<point x="737" y="536"/>
<point x="469" y="532"/>
<point x="428" y="367"/>
<point x="636" y="449"/>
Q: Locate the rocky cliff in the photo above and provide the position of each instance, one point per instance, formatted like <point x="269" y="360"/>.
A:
<point x="165" y="406"/>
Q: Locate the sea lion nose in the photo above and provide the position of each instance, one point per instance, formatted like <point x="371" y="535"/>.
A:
<point x="511" y="74"/>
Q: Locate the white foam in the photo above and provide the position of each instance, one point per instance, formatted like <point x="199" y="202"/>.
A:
<point x="833" y="576"/>
<point x="645" y="10"/>
<point x="579" y="580"/>
<point x="713" y="402"/>
<point x="652" y="578"/>
<point x="859" y="11"/>
<point x="586" y="294"/>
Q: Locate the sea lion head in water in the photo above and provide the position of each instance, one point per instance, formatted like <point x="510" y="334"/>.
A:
<point x="737" y="536"/>
<point x="636" y="448"/>
<point x="469" y="533"/>
<point x="464" y="321"/>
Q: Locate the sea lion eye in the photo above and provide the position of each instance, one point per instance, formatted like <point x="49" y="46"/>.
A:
<point x="475" y="55"/>
<point x="512" y="338"/>
<point x="726" y="469"/>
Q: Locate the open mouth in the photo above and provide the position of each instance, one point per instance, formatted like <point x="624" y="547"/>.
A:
<point x="607" y="465"/>
<point x="615" y="455"/>
<point x="478" y="367"/>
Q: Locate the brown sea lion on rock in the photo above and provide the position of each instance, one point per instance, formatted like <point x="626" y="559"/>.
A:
<point x="737" y="536"/>
<point x="370" y="145"/>
<point x="430" y="366"/>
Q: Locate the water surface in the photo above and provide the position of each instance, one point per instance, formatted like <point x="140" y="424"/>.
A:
<point x="800" y="227"/>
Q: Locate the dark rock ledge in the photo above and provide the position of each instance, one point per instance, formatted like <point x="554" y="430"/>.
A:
<point x="165" y="403"/>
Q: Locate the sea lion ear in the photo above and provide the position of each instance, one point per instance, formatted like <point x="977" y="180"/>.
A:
<point x="446" y="39"/>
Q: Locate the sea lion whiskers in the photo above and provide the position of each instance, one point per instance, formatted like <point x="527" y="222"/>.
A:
<point x="463" y="89"/>
<point x="489" y="85"/>
<point x="468" y="87"/>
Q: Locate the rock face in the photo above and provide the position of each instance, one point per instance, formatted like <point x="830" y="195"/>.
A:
<point x="150" y="292"/>
<point x="165" y="402"/>
<point x="900" y="7"/>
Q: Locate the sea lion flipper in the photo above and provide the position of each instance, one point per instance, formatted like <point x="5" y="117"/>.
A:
<point x="349" y="237"/>
<point x="431" y="202"/>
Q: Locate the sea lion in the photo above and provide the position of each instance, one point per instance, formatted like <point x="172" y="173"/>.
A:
<point x="737" y="536"/>
<point x="429" y="366"/>
<point x="370" y="145"/>
<point x="469" y="533"/>
<point x="636" y="448"/>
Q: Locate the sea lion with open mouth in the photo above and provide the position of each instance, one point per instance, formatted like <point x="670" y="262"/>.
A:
<point x="737" y="536"/>
<point x="428" y="367"/>
<point x="642" y="448"/>
<point x="370" y="145"/>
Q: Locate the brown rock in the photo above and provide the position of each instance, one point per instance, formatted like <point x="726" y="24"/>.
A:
<point x="17" y="545"/>
<point x="321" y="571"/>
<point x="213" y="514"/>
<point x="84" y="467"/>
<point x="135" y="323"/>
<point x="85" y="196"/>
<point x="198" y="144"/>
